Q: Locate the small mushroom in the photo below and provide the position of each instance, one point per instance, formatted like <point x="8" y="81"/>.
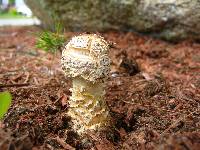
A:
<point x="85" y="60"/>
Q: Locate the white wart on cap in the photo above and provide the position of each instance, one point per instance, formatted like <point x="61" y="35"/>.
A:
<point x="86" y="56"/>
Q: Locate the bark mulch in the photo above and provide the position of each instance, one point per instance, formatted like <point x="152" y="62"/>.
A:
<point x="153" y="94"/>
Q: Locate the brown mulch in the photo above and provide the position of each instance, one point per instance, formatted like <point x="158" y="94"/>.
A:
<point x="153" y="93"/>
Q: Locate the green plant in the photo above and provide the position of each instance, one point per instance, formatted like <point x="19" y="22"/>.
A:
<point x="5" y="101"/>
<point x="11" y="2"/>
<point x="13" y="11"/>
<point x="51" y="41"/>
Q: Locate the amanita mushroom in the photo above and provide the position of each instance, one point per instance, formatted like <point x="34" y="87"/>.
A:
<point x="85" y="60"/>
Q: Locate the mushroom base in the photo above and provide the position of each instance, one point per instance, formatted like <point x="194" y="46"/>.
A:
<point x="87" y="109"/>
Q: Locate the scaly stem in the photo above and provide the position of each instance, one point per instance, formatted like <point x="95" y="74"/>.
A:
<point x="87" y="106"/>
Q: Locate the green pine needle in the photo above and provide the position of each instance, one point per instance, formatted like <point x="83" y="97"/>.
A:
<point x="51" y="41"/>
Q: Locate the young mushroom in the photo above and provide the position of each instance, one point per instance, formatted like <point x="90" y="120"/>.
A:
<point x="85" y="60"/>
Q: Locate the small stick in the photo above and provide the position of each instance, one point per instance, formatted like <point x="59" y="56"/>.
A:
<point x="174" y="124"/>
<point x="14" y="85"/>
<point x="27" y="77"/>
<point x="63" y="144"/>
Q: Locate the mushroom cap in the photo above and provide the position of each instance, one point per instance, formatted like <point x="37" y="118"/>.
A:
<point x="86" y="56"/>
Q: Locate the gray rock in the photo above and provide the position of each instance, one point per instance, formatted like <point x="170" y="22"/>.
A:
<point x="169" y="19"/>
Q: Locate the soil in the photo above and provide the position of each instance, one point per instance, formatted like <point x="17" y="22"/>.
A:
<point x="153" y="94"/>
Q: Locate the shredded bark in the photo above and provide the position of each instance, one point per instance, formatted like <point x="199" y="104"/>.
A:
<point x="153" y="94"/>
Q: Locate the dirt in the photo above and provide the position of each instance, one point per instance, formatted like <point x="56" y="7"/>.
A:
<point x="153" y="94"/>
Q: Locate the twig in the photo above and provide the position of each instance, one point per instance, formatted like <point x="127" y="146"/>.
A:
<point x="174" y="124"/>
<point x="14" y="85"/>
<point x="64" y="145"/>
<point x="27" y="77"/>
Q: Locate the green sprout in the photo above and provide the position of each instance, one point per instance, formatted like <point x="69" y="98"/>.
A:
<point x="51" y="41"/>
<point x="5" y="101"/>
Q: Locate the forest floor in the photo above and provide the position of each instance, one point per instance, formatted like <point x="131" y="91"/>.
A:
<point x="153" y="94"/>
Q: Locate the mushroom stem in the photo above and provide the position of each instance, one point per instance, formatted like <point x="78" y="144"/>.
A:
<point x="88" y="109"/>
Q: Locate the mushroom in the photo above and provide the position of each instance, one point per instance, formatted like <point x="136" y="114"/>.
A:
<point x="85" y="60"/>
